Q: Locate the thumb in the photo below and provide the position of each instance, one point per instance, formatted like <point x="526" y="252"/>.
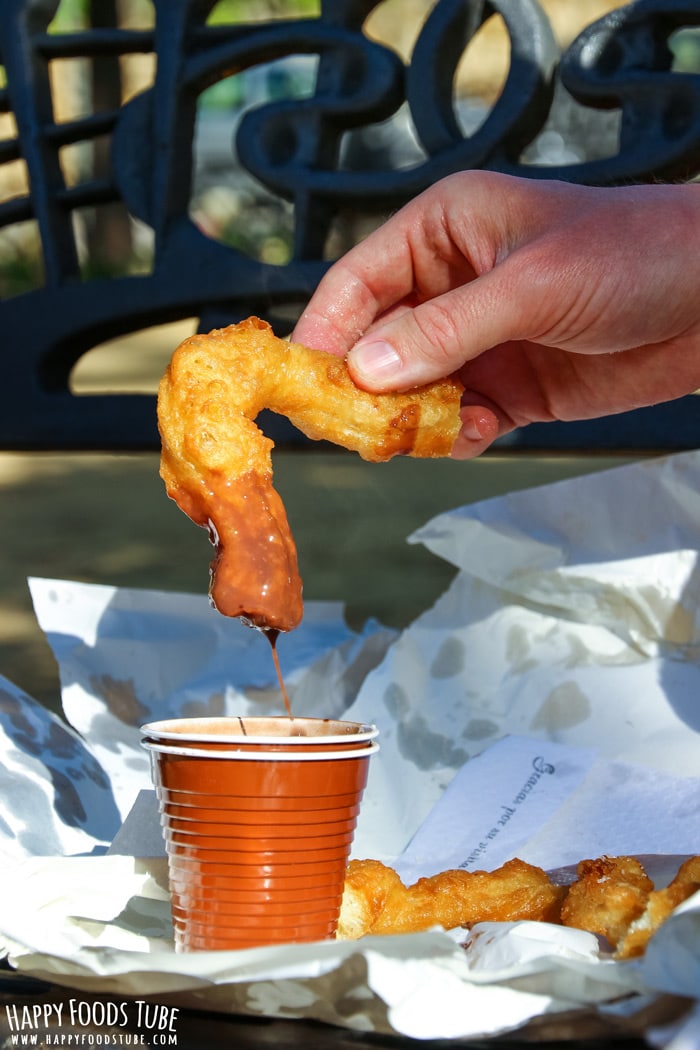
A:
<point x="436" y="338"/>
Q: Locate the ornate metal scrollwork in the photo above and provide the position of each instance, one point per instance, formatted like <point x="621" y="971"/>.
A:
<point x="620" y="69"/>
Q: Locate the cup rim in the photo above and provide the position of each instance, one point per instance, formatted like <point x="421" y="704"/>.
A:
<point x="196" y="732"/>
<point x="155" y="746"/>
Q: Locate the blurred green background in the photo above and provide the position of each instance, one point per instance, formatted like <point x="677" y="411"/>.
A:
<point x="106" y="519"/>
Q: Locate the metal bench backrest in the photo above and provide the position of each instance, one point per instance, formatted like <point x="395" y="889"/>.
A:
<point x="618" y="85"/>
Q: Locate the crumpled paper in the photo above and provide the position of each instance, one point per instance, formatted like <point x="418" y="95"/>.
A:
<point x="574" y="618"/>
<point x="103" y="923"/>
<point x="130" y="656"/>
<point x="55" y="797"/>
<point x="106" y="925"/>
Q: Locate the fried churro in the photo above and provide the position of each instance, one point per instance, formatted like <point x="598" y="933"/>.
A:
<point x="376" y="901"/>
<point x="216" y="462"/>
<point x="612" y="897"/>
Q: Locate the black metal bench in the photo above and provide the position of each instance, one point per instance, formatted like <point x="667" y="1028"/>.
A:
<point x="310" y="152"/>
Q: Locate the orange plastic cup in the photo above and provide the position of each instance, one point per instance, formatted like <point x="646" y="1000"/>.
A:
<point x="258" y="817"/>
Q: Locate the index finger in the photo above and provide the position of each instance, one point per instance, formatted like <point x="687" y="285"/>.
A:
<point x="370" y="279"/>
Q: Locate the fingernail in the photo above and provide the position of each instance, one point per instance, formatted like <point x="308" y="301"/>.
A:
<point x="375" y="359"/>
<point x="471" y="430"/>
<point x="478" y="424"/>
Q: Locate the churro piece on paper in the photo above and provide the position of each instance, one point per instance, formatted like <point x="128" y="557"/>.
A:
<point x="660" y="904"/>
<point x="376" y="901"/>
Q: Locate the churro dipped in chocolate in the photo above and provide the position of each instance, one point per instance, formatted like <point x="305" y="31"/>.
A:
<point x="216" y="462"/>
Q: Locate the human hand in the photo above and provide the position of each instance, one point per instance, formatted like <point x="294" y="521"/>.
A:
<point x="549" y="300"/>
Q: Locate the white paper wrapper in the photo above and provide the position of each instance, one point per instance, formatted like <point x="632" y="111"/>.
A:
<point x="55" y="797"/>
<point x="103" y="924"/>
<point x="127" y="657"/>
<point x="570" y="634"/>
<point x="115" y="937"/>
<point x="574" y="618"/>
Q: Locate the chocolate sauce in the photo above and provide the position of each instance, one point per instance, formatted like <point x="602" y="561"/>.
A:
<point x="254" y="571"/>
<point x="272" y="637"/>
